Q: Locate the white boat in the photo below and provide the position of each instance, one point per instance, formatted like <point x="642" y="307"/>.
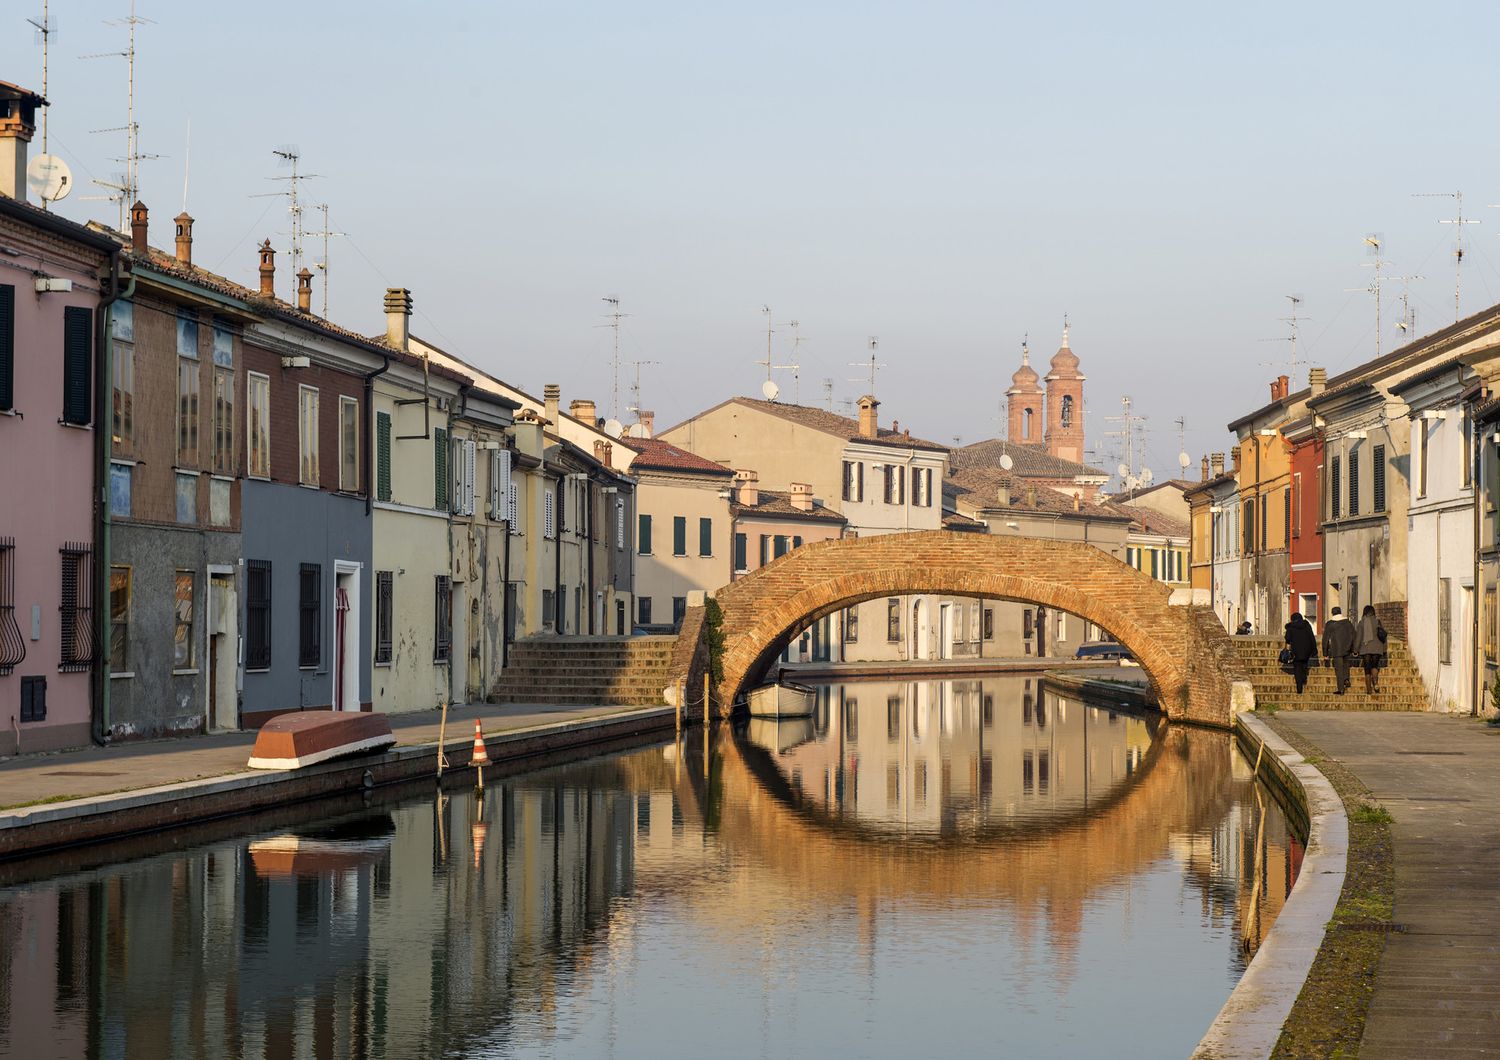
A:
<point x="782" y="701"/>
<point x="780" y="735"/>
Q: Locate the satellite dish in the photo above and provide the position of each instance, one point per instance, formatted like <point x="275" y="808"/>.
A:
<point x="1131" y="482"/>
<point x="49" y="178"/>
<point x="614" y="428"/>
<point x="636" y="430"/>
<point x="1006" y="463"/>
<point x="770" y="390"/>
<point x="1183" y="460"/>
<point x="1124" y="470"/>
<point x="1146" y="476"/>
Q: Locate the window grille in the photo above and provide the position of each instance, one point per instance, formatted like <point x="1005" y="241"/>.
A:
<point x="384" y="594"/>
<point x="75" y="610"/>
<point x="442" y="645"/>
<point x="257" y="614"/>
<point x="12" y="644"/>
<point x="310" y="612"/>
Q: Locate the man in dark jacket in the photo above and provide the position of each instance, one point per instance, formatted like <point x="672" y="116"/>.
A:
<point x="1338" y="647"/>
<point x="1303" y="644"/>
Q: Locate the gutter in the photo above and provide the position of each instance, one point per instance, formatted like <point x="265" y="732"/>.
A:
<point x="369" y="417"/>
<point x="103" y="444"/>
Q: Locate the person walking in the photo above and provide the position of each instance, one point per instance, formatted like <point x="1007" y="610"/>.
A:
<point x="1371" y="648"/>
<point x="1338" y="646"/>
<point x="1302" y="645"/>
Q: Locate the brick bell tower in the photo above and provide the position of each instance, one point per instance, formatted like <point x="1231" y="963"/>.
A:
<point x="1024" y="399"/>
<point x="1065" y="403"/>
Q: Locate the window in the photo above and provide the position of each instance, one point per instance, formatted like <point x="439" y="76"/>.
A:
<point x="224" y="421"/>
<point x="383" y="456"/>
<point x="78" y="349"/>
<point x="679" y="610"/>
<point x="989" y="623"/>
<point x="182" y="620"/>
<point x="854" y="480"/>
<point x="1419" y="442"/>
<point x="1489" y="624"/>
<point x="1377" y="476"/>
<point x="1335" y="487"/>
<point x="1296" y="505"/>
<point x="895" y="484"/>
<point x="765" y="549"/>
<point x="893" y="619"/>
<point x="1354" y="482"/>
<point x="549" y="513"/>
<point x="12" y="644"/>
<point x="119" y="490"/>
<point x="187" y="412"/>
<point x="643" y="535"/>
<point x="851" y="624"/>
<point x="385" y="587"/>
<point x="1155" y="569"/>
<point x="307" y="435"/>
<point x="1466" y="432"/>
<point x="122" y="330"/>
<point x="1353" y="609"/>
<point x="780" y="547"/>
<point x="187" y="496"/>
<point x="1445" y="620"/>
<point x="1026" y="415"/>
<point x="549" y="611"/>
<point x="33" y="699"/>
<point x="926" y="473"/>
<point x="679" y="535"/>
<point x="223" y="344"/>
<point x="349" y="444"/>
<point x="1067" y="410"/>
<point x="74" y="611"/>
<point x="257" y="614"/>
<point x="1249" y="526"/>
<point x="442" y="641"/>
<point x="187" y="333"/>
<point x="310" y="615"/>
<point x="258" y="424"/>
<point x="643" y="610"/>
<point x="705" y="537"/>
<point x="464" y="456"/>
<point x="7" y="346"/>
<point x="741" y="554"/>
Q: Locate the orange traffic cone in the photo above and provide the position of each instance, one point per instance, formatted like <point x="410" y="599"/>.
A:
<point x="481" y="757"/>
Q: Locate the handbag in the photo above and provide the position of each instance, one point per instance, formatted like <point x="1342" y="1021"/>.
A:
<point x="1285" y="658"/>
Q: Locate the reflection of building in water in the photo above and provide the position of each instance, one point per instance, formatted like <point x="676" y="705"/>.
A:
<point x="955" y="755"/>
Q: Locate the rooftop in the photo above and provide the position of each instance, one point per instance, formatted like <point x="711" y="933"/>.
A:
<point x="980" y="487"/>
<point x="1151" y="521"/>
<point x="778" y="505"/>
<point x="653" y="454"/>
<point x="828" y="422"/>
<point x="1027" y="461"/>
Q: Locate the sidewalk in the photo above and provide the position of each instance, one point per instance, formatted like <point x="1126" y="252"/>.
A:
<point x="1438" y="775"/>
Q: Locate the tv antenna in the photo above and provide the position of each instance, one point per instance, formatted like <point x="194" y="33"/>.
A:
<point x="47" y="177"/>
<point x="1458" y="220"/>
<point x="1130" y="426"/>
<point x="635" y="387"/>
<point x="289" y="156"/>
<point x="769" y="389"/>
<point x="1407" y="325"/>
<point x="828" y="392"/>
<point x="1183" y="460"/>
<point x="125" y="190"/>
<point x="1374" y="243"/>
<point x="1294" y="321"/>
<point x="615" y="316"/>
<point x="325" y="233"/>
<point x="874" y="344"/>
<point x="45" y="27"/>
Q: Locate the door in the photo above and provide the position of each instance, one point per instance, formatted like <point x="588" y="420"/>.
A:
<point x="223" y="651"/>
<point x="921" y="634"/>
<point x="945" y="631"/>
<point x="340" y="646"/>
<point x="346" y="637"/>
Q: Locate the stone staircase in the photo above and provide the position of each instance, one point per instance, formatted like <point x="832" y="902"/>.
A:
<point x="586" y="671"/>
<point x="1401" y="686"/>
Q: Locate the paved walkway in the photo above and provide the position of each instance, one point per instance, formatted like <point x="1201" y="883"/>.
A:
<point x="1439" y="776"/>
<point x="125" y="767"/>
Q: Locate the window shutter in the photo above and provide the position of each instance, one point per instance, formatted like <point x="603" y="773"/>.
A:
<point x="859" y="469"/>
<point x="512" y="505"/>
<point x="705" y="537"/>
<point x="383" y="456"/>
<point x="643" y="535"/>
<point x="620" y="523"/>
<point x="440" y="468"/>
<point x="549" y="513"/>
<point x="1377" y="469"/>
<point x="499" y="484"/>
<point x="7" y="346"/>
<point x="78" y="329"/>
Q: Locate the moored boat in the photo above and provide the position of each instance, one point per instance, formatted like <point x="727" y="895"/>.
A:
<point x="303" y="739"/>
<point x="782" y="700"/>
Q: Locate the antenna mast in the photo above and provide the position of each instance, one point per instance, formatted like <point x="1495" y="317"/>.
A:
<point x="1458" y="220"/>
<point x="44" y="30"/>
<point x="1407" y="325"/>
<point x="874" y="344"/>
<point x="1130" y="425"/>
<point x="322" y="266"/>
<point x="289" y="156"/>
<point x="635" y="387"/>
<point x="127" y="190"/>
<point x="615" y="316"/>
<point x="828" y="393"/>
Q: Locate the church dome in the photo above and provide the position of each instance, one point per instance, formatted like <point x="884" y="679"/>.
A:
<point x="1024" y="378"/>
<point x="1064" y="361"/>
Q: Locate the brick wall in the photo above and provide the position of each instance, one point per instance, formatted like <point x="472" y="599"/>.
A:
<point x="286" y="384"/>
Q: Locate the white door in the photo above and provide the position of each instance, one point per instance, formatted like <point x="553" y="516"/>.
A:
<point x="921" y="631"/>
<point x="945" y="631"/>
<point x="346" y="637"/>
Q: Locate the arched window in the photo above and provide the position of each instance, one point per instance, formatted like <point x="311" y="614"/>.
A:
<point x="1067" y="410"/>
<point x="1026" y="425"/>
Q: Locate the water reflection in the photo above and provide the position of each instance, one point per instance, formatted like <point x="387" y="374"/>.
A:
<point x="665" y="902"/>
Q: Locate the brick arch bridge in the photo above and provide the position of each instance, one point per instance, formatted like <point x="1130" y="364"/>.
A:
<point x="1184" y="651"/>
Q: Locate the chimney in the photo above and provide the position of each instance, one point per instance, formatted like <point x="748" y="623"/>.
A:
<point x="1280" y="387"/>
<point x="604" y="452"/>
<point x="398" y="317"/>
<point x="267" y="270"/>
<point x="17" y="126"/>
<point x="304" y="290"/>
<point x="801" y="496"/>
<point x="746" y="488"/>
<point x="184" y="238"/>
<point x="1077" y="502"/>
<point x="648" y="423"/>
<point x="869" y="421"/>
<point x="1235" y="455"/>
<point x="1205" y="470"/>
<point x="583" y="409"/>
<point x="1031" y="496"/>
<point x="1317" y="380"/>
<point x="551" y="395"/>
<point x="1216" y="464"/>
<point x="138" y="223"/>
<point x="1003" y="495"/>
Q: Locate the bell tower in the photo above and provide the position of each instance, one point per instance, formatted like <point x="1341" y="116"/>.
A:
<point x="1024" y="400"/>
<point x="1065" y="403"/>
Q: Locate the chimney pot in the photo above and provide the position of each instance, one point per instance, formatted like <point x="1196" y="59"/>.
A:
<point x="267" y="270"/>
<point x="304" y="290"/>
<point x="17" y="126"/>
<point x="648" y="423"/>
<point x="398" y="317"/>
<point x="1235" y="455"/>
<point x="1216" y="464"/>
<point x="1205" y="469"/>
<point x="1317" y="380"/>
<point x="746" y="488"/>
<point x="869" y="420"/>
<point x="604" y="453"/>
<point x="551" y="396"/>
<point x="802" y="496"/>
<point x="184" y="238"/>
<point x="583" y="409"/>
<point x="1077" y="502"/>
<point x="139" y="218"/>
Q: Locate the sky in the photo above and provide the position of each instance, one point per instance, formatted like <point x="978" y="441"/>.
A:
<point x="947" y="177"/>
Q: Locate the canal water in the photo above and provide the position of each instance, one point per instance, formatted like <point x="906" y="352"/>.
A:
<point x="973" y="867"/>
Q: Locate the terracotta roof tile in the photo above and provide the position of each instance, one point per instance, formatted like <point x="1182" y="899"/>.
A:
<point x="1151" y="521"/>
<point x="832" y="423"/>
<point x="980" y="486"/>
<point x="1027" y="461"/>
<point x="657" y="455"/>
<point x="776" y="504"/>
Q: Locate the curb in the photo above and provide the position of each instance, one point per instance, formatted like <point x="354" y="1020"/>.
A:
<point x="1250" y="1022"/>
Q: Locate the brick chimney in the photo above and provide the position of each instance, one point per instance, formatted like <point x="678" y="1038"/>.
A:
<point x="267" y="270"/>
<point x="139" y="219"/>
<point x="746" y="488"/>
<point x="1204" y="477"/>
<point x="1235" y="456"/>
<point x="1077" y="502"/>
<point x="551" y="395"/>
<point x="184" y="225"/>
<point x="869" y="420"/>
<point x="1279" y="388"/>
<point x="1216" y="464"/>
<point x="304" y="290"/>
<point x="583" y="409"/>
<point x="801" y="496"/>
<point x="1317" y="380"/>
<point x="1031" y="496"/>
<point x="648" y="423"/>
<point x="604" y="452"/>
<point x="1004" y="495"/>
<point x="17" y="126"/>
<point x="398" y="317"/>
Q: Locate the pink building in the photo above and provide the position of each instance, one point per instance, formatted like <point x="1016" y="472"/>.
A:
<point x="50" y="285"/>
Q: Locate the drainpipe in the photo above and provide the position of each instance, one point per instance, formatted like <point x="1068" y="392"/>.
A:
<point x="505" y="581"/>
<point x="1476" y="656"/>
<point x="588" y="546"/>
<point x="103" y="438"/>
<point x="369" y="417"/>
<point x="557" y="540"/>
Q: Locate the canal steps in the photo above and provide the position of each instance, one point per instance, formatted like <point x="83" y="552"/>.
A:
<point x="1401" y="687"/>
<point x="630" y="671"/>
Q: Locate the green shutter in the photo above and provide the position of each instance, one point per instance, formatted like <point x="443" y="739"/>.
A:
<point x="705" y="537"/>
<point x="440" y="468"/>
<point x="7" y="346"/>
<point x="78" y="340"/>
<point x="643" y="536"/>
<point x="679" y="535"/>
<point x="383" y="456"/>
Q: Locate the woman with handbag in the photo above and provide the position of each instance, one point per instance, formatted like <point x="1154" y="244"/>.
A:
<point x="1370" y="645"/>
<point x="1301" y="647"/>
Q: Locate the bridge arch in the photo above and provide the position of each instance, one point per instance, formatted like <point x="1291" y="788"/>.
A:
<point x="1184" y="651"/>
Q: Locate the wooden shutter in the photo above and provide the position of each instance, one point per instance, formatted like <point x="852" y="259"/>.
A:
<point x="78" y="340"/>
<point x="440" y="468"/>
<point x="384" y="585"/>
<point x="705" y="537"/>
<point x="7" y="346"/>
<point x="512" y="505"/>
<point x="549" y="513"/>
<point x="500" y="485"/>
<point x="470" y="457"/>
<point x="382" y="456"/>
<point x="643" y="535"/>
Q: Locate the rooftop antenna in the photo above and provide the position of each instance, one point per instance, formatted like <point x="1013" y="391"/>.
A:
<point x="635" y="387"/>
<point x="45" y="27"/>
<point x="187" y="162"/>
<point x="1293" y="322"/>
<point x="289" y="156"/>
<point x="1374" y="242"/>
<point x="127" y="189"/>
<point x="796" y="366"/>
<point x="828" y="392"/>
<point x="615" y="316"/>
<point x="1183" y="460"/>
<point x="874" y="344"/>
<point x="769" y="331"/>
<point x="1407" y="325"/>
<point x="1130" y="426"/>
<point x="326" y="234"/>
<point x="1458" y="221"/>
